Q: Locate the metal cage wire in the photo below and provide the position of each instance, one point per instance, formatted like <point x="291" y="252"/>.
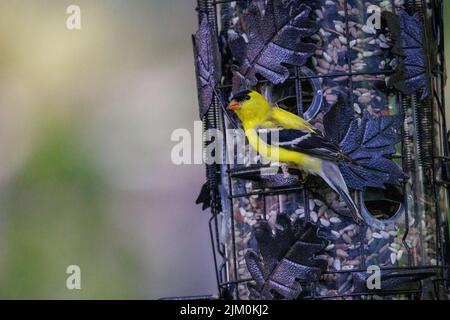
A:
<point x="426" y="153"/>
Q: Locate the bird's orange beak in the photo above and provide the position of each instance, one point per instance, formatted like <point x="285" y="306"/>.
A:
<point x="234" y="105"/>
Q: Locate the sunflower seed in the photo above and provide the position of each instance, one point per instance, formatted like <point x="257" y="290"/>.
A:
<point x="336" y="234"/>
<point x="384" y="234"/>
<point x="324" y="222"/>
<point x="376" y="235"/>
<point x="335" y="220"/>
<point x="313" y="216"/>
<point x="393" y="257"/>
<point x="346" y="238"/>
<point x="369" y="29"/>
<point x="341" y="253"/>
<point x="399" y="255"/>
<point x="337" y="264"/>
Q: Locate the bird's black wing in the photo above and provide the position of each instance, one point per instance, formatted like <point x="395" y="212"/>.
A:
<point x="310" y="143"/>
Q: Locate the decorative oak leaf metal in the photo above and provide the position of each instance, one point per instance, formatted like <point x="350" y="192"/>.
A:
<point x="407" y="35"/>
<point x="371" y="144"/>
<point x="272" y="41"/>
<point x="338" y="117"/>
<point x="204" y="198"/>
<point x="206" y="52"/>
<point x="285" y="257"/>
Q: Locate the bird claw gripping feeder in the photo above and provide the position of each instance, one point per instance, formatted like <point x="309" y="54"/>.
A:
<point x="369" y="75"/>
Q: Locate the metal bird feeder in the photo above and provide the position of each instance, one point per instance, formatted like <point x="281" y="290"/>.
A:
<point x="377" y="91"/>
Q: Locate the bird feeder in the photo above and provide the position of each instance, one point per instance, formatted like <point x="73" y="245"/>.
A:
<point x="369" y="75"/>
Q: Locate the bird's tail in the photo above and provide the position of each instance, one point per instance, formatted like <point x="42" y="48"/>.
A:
<point x="332" y="175"/>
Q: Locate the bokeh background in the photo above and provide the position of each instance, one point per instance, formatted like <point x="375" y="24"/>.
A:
<point x="85" y="171"/>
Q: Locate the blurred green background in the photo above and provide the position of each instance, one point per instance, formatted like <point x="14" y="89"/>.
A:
<point x="85" y="170"/>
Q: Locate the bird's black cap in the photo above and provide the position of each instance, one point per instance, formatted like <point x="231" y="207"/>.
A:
<point x="242" y="96"/>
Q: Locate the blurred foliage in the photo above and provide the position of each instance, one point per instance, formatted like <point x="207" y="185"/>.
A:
<point x="56" y="218"/>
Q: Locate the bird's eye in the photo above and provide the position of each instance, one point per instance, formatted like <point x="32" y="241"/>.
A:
<point x="242" y="96"/>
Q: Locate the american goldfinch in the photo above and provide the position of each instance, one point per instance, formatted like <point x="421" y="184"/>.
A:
<point x="296" y="143"/>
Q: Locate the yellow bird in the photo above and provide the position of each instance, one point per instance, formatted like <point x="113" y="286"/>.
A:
<point x="295" y="142"/>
